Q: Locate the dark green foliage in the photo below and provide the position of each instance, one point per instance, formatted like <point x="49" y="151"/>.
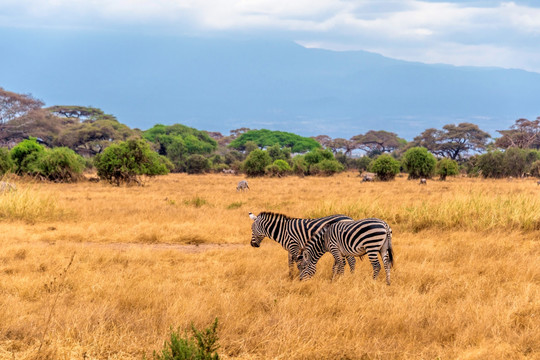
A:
<point x="317" y="155"/>
<point x="61" y="164"/>
<point x="202" y="345"/>
<point x="178" y="142"/>
<point x="197" y="164"/>
<point x="278" y="168"/>
<point x="322" y="162"/>
<point x="250" y="146"/>
<point x="6" y="163"/>
<point x="256" y="163"/>
<point x="300" y="166"/>
<point x="25" y="156"/>
<point x="265" y="138"/>
<point x="326" y="167"/>
<point x="512" y="162"/>
<point x="446" y="167"/>
<point x="535" y="168"/>
<point x="490" y="165"/>
<point x="386" y="167"/>
<point x="128" y="161"/>
<point x="419" y="163"/>
<point x="363" y="163"/>
<point x="278" y="153"/>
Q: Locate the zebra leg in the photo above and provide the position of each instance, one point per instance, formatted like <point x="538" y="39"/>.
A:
<point x="291" y="266"/>
<point x="374" y="259"/>
<point x="339" y="263"/>
<point x="352" y="263"/>
<point x="386" y="264"/>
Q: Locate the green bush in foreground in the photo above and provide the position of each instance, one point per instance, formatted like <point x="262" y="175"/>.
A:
<point x="202" y="345"/>
<point x="386" y="167"/>
<point x="126" y="162"/>
<point x="61" y="164"/>
<point x="446" y="167"/>
<point x="25" y="156"/>
<point x="6" y="164"/>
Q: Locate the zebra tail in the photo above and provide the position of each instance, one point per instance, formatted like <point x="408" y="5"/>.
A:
<point x="390" y="250"/>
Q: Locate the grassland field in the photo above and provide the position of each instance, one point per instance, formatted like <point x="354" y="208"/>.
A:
<point x="92" y="271"/>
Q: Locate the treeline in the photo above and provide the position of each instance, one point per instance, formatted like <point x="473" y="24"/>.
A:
<point x="58" y="142"/>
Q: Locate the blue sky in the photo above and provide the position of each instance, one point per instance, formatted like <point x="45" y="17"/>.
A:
<point x="467" y="32"/>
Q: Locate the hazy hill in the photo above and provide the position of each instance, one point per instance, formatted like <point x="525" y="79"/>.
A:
<point x="223" y="84"/>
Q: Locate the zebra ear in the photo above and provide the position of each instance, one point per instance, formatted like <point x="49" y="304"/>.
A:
<point x="253" y="217"/>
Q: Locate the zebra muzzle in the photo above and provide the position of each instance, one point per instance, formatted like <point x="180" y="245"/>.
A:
<point x="254" y="244"/>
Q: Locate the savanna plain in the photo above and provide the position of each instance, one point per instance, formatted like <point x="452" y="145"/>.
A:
<point x="92" y="271"/>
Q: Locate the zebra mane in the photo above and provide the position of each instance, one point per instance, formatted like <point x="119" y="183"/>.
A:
<point x="269" y="213"/>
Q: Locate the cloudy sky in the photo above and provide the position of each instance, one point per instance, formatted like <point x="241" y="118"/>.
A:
<point x="460" y="32"/>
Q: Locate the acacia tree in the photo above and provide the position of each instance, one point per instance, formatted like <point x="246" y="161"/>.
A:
<point x="382" y="141"/>
<point x="89" y="130"/>
<point x="524" y="134"/>
<point x="13" y="107"/>
<point x="453" y="141"/>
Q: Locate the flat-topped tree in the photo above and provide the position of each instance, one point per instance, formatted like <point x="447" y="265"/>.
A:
<point x="453" y="141"/>
<point x="265" y="138"/>
<point x="89" y="130"/>
<point x="380" y="141"/>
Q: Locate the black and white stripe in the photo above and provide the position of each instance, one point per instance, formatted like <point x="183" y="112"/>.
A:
<point x="291" y="233"/>
<point x="350" y="238"/>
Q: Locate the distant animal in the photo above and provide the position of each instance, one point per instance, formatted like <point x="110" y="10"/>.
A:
<point x="242" y="185"/>
<point x="349" y="238"/>
<point x="423" y="181"/>
<point x="229" y="171"/>
<point x="538" y="182"/>
<point x="6" y="187"/>
<point x="291" y="233"/>
<point x="368" y="178"/>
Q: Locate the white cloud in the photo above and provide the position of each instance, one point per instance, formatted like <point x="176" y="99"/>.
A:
<point x="502" y="34"/>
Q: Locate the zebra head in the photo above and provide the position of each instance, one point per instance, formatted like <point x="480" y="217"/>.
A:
<point x="257" y="234"/>
<point x="302" y="259"/>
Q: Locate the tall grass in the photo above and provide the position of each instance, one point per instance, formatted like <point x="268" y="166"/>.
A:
<point x="478" y="211"/>
<point x="29" y="204"/>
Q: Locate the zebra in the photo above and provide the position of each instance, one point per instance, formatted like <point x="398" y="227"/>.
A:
<point x="367" y="178"/>
<point x="242" y="185"/>
<point x="291" y="233"/>
<point x="423" y="181"/>
<point x="348" y="238"/>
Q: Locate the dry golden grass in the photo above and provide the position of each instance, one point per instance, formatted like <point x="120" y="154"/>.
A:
<point x="466" y="283"/>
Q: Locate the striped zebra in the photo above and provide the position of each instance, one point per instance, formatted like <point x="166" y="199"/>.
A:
<point x="349" y="238"/>
<point x="291" y="233"/>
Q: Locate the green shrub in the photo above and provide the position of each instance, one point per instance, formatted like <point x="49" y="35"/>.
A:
<point x="363" y="163"/>
<point x="278" y="168"/>
<point x="202" y="345"/>
<point x="386" y="167"/>
<point x="446" y="167"/>
<point x="61" y="164"/>
<point x="491" y="165"/>
<point x="256" y="163"/>
<point x="317" y="155"/>
<point x="6" y="163"/>
<point x="25" y="156"/>
<point x="326" y="167"/>
<point x="300" y="166"/>
<point x="128" y="161"/>
<point x="535" y="169"/>
<point x="197" y="164"/>
<point x="419" y="163"/>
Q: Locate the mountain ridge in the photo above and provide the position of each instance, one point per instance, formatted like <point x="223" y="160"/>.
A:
<point x="224" y="84"/>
